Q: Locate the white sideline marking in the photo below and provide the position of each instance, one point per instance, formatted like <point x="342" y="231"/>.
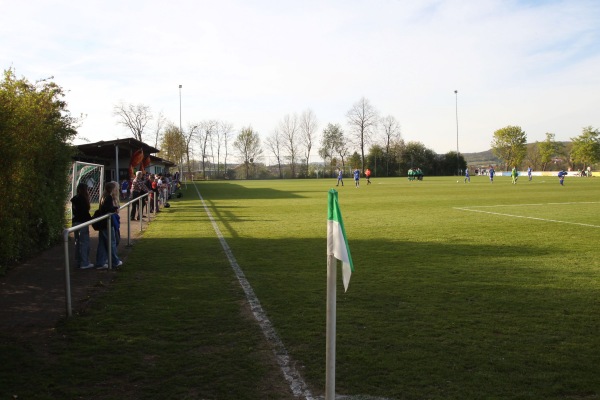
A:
<point x="292" y="376"/>
<point x="532" y="204"/>
<point x="534" y="218"/>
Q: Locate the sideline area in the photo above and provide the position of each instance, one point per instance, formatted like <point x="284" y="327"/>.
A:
<point x="32" y="294"/>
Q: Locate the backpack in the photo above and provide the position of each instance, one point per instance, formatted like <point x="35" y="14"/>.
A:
<point x="100" y="225"/>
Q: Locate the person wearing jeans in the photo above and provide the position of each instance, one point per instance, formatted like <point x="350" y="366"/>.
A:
<point x="109" y="205"/>
<point x="81" y="214"/>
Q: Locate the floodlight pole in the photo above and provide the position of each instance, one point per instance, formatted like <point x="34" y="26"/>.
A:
<point x="457" y="153"/>
<point x="181" y="132"/>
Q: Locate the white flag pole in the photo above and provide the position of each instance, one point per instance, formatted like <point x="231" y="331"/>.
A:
<point x="331" y="324"/>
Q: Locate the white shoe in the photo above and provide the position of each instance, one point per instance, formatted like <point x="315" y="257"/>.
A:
<point x="105" y="266"/>
<point x="87" y="266"/>
<point x="119" y="264"/>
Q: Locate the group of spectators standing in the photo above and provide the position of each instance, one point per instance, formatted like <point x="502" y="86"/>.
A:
<point x="160" y="187"/>
<point x="156" y="185"/>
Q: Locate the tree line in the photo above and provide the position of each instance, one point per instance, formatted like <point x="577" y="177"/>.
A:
<point x="509" y="144"/>
<point x="369" y="141"/>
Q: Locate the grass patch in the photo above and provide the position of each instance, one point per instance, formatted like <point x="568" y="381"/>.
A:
<point x="444" y="303"/>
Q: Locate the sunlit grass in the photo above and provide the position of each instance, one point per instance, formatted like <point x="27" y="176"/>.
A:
<point x="445" y="302"/>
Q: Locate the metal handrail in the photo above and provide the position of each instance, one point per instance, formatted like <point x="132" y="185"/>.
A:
<point x="108" y="217"/>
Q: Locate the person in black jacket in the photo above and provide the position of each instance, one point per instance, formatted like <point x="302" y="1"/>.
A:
<point x="80" y="207"/>
<point x="109" y="204"/>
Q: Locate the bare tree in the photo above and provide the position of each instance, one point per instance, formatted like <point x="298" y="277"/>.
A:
<point x="207" y="130"/>
<point x="308" y="128"/>
<point x="188" y="137"/>
<point x="391" y="133"/>
<point x="133" y="117"/>
<point x="227" y="132"/>
<point x="363" y="119"/>
<point x="222" y="132"/>
<point x="158" y="127"/>
<point x="289" y="133"/>
<point x="274" y="143"/>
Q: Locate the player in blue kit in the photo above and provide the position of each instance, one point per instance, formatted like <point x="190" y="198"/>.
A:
<point x="492" y="173"/>
<point x="340" y="178"/>
<point x="561" y="177"/>
<point x="357" y="177"/>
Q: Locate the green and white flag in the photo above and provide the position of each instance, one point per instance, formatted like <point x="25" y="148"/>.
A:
<point x="337" y="244"/>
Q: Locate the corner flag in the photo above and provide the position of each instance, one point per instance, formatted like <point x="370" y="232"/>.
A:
<point x="337" y="244"/>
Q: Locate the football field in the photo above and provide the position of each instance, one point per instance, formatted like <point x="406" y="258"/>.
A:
<point x="460" y="290"/>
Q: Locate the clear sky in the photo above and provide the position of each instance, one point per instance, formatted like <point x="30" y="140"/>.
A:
<point x="535" y="64"/>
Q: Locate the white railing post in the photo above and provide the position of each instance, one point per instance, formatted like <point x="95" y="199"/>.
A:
<point x="67" y="273"/>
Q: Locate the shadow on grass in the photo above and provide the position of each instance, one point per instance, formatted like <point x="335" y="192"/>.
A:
<point x="229" y="190"/>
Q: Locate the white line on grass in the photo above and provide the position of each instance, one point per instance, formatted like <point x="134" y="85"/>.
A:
<point x="531" y="204"/>
<point x="291" y="374"/>
<point x="522" y="216"/>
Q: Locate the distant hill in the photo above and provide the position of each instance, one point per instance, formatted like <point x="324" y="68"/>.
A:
<point x="486" y="158"/>
<point x="481" y="159"/>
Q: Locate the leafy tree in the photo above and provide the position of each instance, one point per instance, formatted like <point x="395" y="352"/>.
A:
<point x="548" y="149"/>
<point x="332" y="139"/>
<point x="362" y="119"/>
<point x="417" y="155"/>
<point x="509" y="144"/>
<point x="354" y="160"/>
<point x="377" y="158"/>
<point x="247" y="144"/>
<point x="173" y="144"/>
<point x="36" y="128"/>
<point x="447" y="164"/>
<point x="586" y="147"/>
<point x="395" y="154"/>
<point x="533" y="157"/>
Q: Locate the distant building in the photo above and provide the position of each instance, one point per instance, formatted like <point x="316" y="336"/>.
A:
<point x="117" y="157"/>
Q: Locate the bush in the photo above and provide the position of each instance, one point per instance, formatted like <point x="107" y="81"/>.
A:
<point x="36" y="129"/>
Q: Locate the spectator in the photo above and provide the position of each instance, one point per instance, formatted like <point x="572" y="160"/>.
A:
<point x="137" y="188"/>
<point x="148" y="182"/>
<point x="109" y="204"/>
<point x="124" y="189"/>
<point x="80" y="205"/>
